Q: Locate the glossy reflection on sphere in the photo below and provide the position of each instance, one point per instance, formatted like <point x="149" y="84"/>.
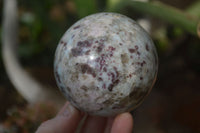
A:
<point x="105" y="64"/>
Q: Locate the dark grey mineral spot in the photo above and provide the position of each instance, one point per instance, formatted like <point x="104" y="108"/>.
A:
<point x="86" y="43"/>
<point x="147" y="47"/>
<point x="76" y="51"/>
<point x="131" y="50"/>
<point x="85" y="68"/>
<point x="100" y="48"/>
<point x="57" y="76"/>
<point x="113" y="84"/>
<point x="76" y="27"/>
<point x="85" y="88"/>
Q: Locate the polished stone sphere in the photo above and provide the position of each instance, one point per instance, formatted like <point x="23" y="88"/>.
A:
<point x="105" y="64"/>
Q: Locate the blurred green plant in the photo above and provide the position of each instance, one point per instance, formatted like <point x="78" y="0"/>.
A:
<point x="86" y="7"/>
<point x="194" y="9"/>
<point x="42" y="23"/>
<point x="187" y="20"/>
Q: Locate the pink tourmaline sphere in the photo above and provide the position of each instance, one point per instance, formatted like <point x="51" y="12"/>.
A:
<point x="105" y="64"/>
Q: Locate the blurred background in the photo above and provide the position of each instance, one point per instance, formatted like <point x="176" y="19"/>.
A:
<point x="173" y="106"/>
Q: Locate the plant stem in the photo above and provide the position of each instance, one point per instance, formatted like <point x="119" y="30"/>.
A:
<point x="167" y="13"/>
<point x="194" y="9"/>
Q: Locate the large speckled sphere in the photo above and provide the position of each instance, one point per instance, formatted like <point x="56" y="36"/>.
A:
<point x="105" y="64"/>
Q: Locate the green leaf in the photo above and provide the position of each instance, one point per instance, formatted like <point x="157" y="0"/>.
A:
<point x="162" y="11"/>
<point x="86" y="7"/>
<point x="194" y="9"/>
